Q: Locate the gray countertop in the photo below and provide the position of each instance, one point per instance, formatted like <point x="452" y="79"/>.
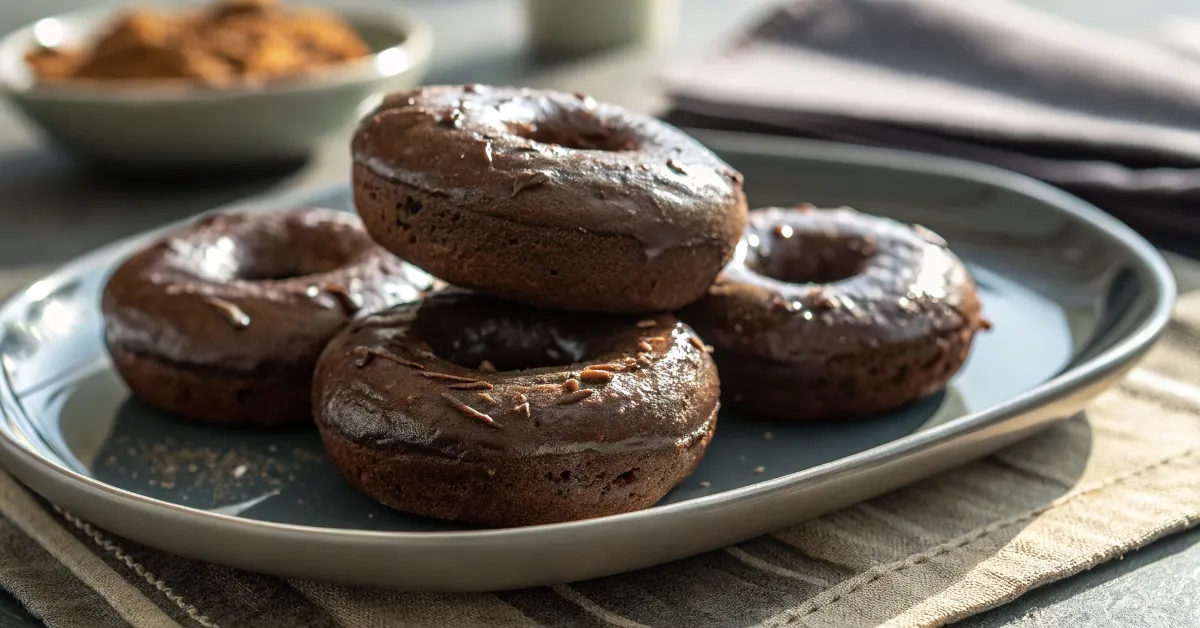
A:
<point x="51" y="210"/>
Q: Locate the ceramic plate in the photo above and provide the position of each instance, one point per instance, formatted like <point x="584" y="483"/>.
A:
<point x="1075" y="298"/>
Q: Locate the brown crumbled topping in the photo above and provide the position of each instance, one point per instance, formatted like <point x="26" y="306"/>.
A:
<point x="348" y="301"/>
<point x="469" y="411"/>
<point x="824" y="301"/>
<point x="526" y="180"/>
<point x="475" y="385"/>
<point x="366" y="354"/>
<point x="571" y="385"/>
<point x="447" y="376"/>
<point x="233" y="314"/>
<point x="606" y="367"/>
<point x="594" y="375"/>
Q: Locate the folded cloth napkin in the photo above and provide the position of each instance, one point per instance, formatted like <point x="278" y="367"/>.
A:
<point x="1113" y="119"/>
<point x="1087" y="490"/>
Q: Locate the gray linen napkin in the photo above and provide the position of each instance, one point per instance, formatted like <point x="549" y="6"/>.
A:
<point x="1113" y="119"/>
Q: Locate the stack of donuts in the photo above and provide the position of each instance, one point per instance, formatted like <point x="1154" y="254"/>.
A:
<point x="501" y="338"/>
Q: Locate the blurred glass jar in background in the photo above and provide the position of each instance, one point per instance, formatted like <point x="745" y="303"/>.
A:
<point x="572" y="27"/>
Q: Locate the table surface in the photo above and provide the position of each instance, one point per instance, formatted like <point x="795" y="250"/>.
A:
<point x="51" y="209"/>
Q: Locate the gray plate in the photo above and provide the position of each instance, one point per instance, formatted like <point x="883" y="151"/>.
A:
<point x="1075" y="297"/>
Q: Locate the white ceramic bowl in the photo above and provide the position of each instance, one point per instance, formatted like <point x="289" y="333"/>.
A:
<point x="183" y="126"/>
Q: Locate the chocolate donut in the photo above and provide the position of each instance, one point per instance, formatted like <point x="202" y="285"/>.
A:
<point x="223" y="320"/>
<point x="832" y="313"/>
<point x="546" y="198"/>
<point x="469" y="408"/>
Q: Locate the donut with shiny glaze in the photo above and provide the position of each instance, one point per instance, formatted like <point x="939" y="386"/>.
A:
<point x="824" y="314"/>
<point x="546" y="198"/>
<point x="223" y="320"/>
<point x="469" y="408"/>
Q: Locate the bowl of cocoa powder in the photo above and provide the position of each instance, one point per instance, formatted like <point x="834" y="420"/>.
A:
<point x="228" y="83"/>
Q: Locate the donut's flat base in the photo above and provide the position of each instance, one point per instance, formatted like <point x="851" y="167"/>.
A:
<point x="513" y="491"/>
<point x="217" y="396"/>
<point x="847" y="388"/>
<point x="1075" y="299"/>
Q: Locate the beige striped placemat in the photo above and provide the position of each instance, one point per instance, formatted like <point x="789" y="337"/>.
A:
<point x="1083" y="492"/>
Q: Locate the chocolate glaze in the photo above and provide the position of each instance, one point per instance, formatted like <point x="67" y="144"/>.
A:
<point x="553" y="159"/>
<point x="237" y="316"/>
<point x="423" y="391"/>
<point x="873" y="282"/>
<point x="243" y="291"/>
<point x="830" y="313"/>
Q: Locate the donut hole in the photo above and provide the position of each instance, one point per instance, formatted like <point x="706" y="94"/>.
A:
<point x="272" y="270"/>
<point x="281" y="252"/>
<point x="578" y="137"/>
<point x="509" y="358"/>
<point x="509" y="345"/>
<point x="810" y="258"/>
<point x="484" y="333"/>
<point x="288" y="262"/>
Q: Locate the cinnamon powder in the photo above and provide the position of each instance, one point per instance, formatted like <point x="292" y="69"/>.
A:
<point x="230" y="42"/>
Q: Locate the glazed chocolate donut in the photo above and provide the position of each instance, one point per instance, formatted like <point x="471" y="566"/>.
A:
<point x="546" y="198"/>
<point x="223" y="320"/>
<point x="469" y="408"/>
<point x="825" y="314"/>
